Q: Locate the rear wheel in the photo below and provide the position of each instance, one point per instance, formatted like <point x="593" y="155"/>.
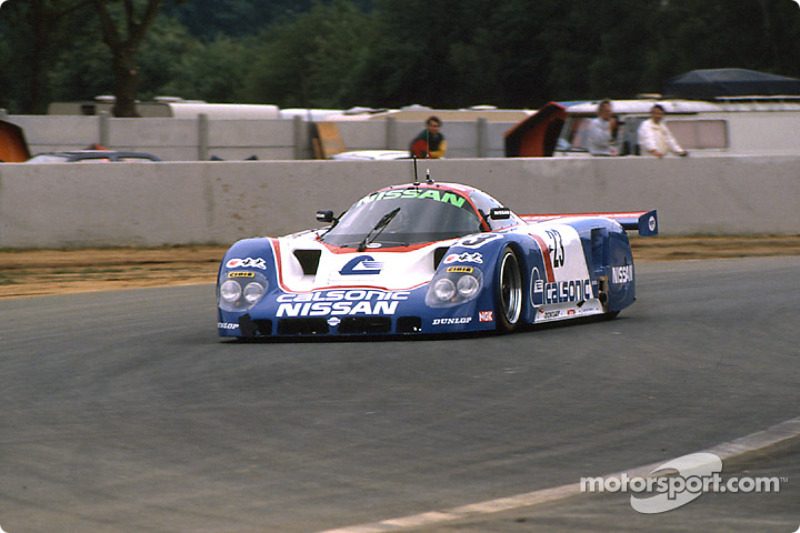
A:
<point x="508" y="293"/>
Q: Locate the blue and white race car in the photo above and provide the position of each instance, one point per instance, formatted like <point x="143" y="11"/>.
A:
<point x="429" y="258"/>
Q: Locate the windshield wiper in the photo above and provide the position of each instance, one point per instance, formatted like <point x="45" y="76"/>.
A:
<point x="378" y="228"/>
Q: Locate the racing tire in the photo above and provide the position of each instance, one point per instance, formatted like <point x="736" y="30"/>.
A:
<point x="508" y="292"/>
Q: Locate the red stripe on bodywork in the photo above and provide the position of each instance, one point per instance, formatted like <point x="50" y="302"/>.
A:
<point x="548" y="264"/>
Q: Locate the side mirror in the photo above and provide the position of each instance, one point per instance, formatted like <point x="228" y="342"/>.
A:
<point x="500" y="213"/>
<point x="325" y="216"/>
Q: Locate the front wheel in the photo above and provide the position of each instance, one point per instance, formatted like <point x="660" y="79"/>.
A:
<point x="508" y="292"/>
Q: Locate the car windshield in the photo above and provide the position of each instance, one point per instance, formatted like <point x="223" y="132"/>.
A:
<point x="403" y="217"/>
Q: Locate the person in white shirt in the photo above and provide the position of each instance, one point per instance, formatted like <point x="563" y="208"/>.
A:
<point x="602" y="131"/>
<point x="655" y="138"/>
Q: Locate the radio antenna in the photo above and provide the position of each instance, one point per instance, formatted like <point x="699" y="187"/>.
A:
<point x="416" y="174"/>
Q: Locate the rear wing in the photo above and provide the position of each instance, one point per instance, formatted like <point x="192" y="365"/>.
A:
<point x="646" y="222"/>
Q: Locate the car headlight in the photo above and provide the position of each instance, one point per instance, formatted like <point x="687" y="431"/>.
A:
<point x="468" y="286"/>
<point x="444" y="290"/>
<point x="230" y="291"/>
<point x="253" y="292"/>
<point x="239" y="292"/>
<point x="453" y="286"/>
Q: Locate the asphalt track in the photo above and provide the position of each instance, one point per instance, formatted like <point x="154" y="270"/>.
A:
<point x="122" y="411"/>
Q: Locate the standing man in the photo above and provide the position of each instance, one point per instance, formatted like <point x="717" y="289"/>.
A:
<point x="430" y="143"/>
<point x="602" y="136"/>
<point x="655" y="138"/>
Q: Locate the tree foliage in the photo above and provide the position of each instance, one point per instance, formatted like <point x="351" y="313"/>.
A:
<point x="312" y="59"/>
<point x="339" y="53"/>
<point x="32" y="33"/>
<point x="124" y="28"/>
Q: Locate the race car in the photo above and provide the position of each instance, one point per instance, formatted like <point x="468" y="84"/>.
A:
<point x="429" y="258"/>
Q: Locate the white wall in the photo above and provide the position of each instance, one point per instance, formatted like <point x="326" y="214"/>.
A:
<point x="174" y="139"/>
<point x="171" y="139"/>
<point x="71" y="205"/>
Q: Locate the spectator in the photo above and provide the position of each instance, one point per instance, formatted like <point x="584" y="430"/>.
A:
<point x="602" y="131"/>
<point x="430" y="143"/>
<point x="655" y="138"/>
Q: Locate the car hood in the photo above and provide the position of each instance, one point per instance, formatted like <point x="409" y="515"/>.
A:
<point x="304" y="263"/>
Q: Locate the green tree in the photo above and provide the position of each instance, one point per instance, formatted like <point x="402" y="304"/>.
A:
<point x="458" y="54"/>
<point x="526" y="51"/>
<point x="753" y="34"/>
<point x="309" y="60"/>
<point x="7" y="79"/>
<point x="34" y="32"/>
<point x="162" y="58"/>
<point x="214" y="72"/>
<point x="207" y="20"/>
<point x="124" y="27"/>
<point x="82" y="71"/>
<point x="409" y="63"/>
<point x="515" y="53"/>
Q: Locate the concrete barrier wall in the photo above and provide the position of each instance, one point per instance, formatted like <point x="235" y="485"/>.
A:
<point x="464" y="139"/>
<point x="169" y="138"/>
<point x="175" y="139"/>
<point x="69" y="133"/>
<point x="72" y="205"/>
